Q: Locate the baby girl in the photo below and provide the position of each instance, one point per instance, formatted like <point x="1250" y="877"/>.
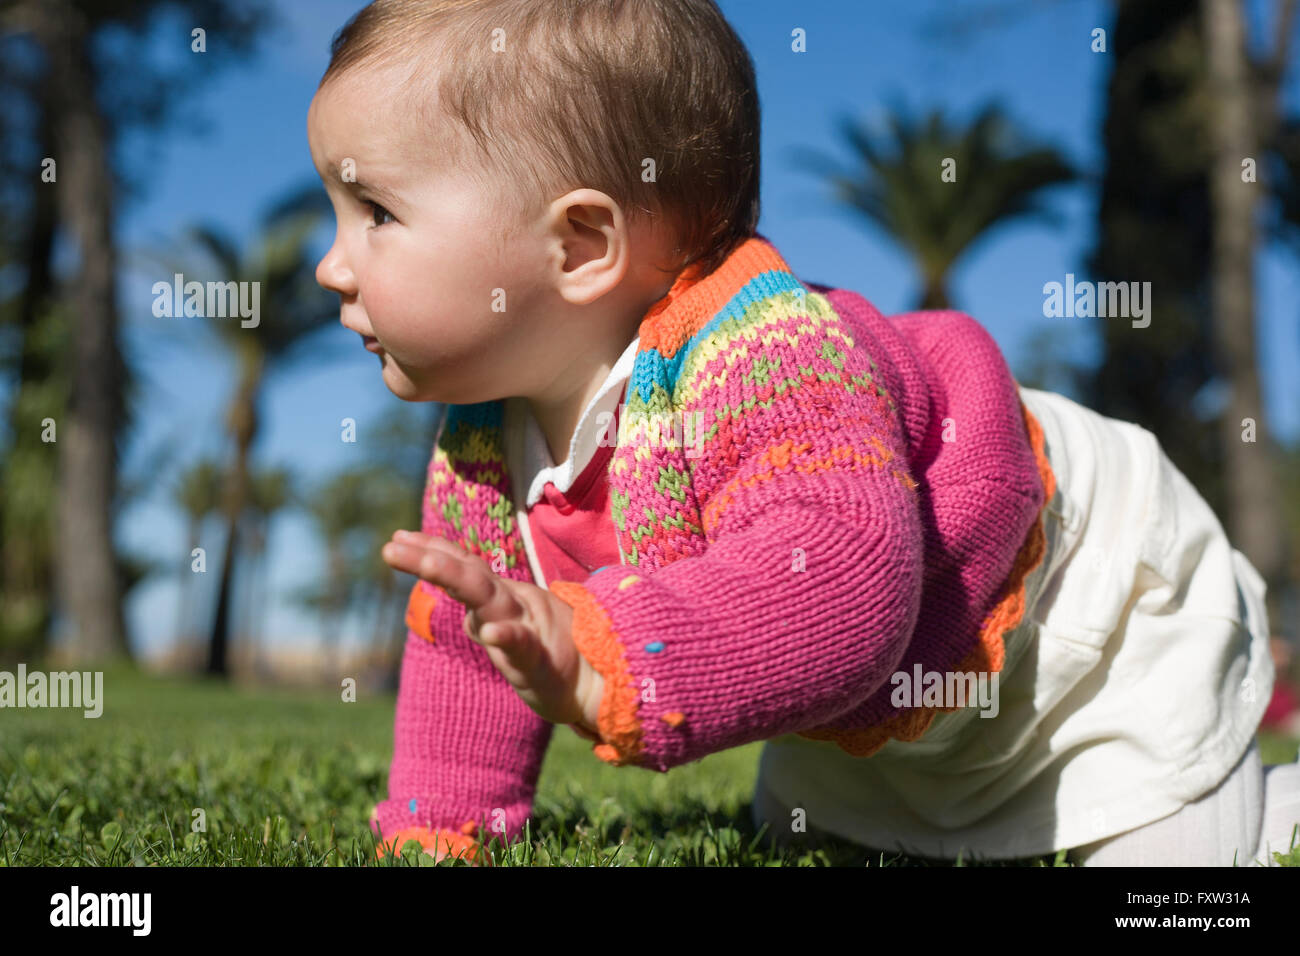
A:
<point x="683" y="500"/>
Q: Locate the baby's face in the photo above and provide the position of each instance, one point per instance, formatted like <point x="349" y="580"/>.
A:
<point x="421" y="254"/>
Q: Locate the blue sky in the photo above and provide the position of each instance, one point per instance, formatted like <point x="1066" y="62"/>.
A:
<point x="1035" y="61"/>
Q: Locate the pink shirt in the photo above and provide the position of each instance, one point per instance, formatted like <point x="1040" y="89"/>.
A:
<point x="572" y="532"/>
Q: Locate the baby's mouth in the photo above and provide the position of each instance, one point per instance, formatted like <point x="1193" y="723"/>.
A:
<point x="372" y="344"/>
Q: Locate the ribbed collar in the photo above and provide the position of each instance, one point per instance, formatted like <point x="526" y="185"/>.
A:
<point x="667" y="325"/>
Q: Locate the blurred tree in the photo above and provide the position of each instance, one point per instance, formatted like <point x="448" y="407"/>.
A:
<point x="198" y="495"/>
<point x="339" y="507"/>
<point x="29" y="476"/>
<point x="1242" y="115"/>
<point x="58" y="56"/>
<point x="1284" y="224"/>
<point x="395" y="505"/>
<point x="1055" y="361"/>
<point x="356" y="512"/>
<point x="37" y="333"/>
<point x="270" y="492"/>
<point x="1154" y="225"/>
<point x="1169" y="215"/>
<point x="1284" y="173"/>
<point x="401" y="447"/>
<point x="936" y="189"/>
<point x="293" y="307"/>
<point x="87" y="574"/>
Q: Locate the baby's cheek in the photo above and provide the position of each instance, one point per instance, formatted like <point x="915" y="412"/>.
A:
<point x="387" y="308"/>
<point x="403" y="327"/>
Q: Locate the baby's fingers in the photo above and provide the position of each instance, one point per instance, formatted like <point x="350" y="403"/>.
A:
<point x="514" y="650"/>
<point x="465" y="578"/>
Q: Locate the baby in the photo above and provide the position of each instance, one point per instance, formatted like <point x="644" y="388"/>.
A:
<point x="682" y="500"/>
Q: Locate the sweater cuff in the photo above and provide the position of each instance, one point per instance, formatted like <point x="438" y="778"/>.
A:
<point x="618" y="723"/>
<point x="461" y="844"/>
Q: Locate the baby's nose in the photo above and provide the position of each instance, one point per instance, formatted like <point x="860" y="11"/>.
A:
<point x="333" y="274"/>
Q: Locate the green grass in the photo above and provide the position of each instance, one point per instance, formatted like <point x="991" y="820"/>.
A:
<point x="289" y="779"/>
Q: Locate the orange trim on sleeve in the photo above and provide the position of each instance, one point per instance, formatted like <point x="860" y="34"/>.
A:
<point x="419" y="611"/>
<point x="989" y="654"/>
<point x="593" y="634"/>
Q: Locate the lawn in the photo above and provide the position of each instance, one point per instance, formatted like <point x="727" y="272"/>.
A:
<point x="288" y="779"/>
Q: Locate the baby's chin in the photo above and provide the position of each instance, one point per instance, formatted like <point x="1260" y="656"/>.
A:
<point x="454" y="382"/>
<point x="406" y="387"/>
<point x="401" y="385"/>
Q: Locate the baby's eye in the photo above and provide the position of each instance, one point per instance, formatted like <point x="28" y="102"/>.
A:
<point x="379" y="215"/>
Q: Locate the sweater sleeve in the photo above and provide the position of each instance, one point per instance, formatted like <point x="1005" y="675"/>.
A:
<point x="467" y="751"/>
<point x="803" y="601"/>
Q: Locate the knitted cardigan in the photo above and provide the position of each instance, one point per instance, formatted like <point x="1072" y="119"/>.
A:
<point x="808" y="498"/>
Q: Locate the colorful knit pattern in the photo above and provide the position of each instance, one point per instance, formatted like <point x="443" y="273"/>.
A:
<point x="469" y="490"/>
<point x="710" y="346"/>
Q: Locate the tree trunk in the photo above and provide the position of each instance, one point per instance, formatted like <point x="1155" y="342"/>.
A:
<point x="934" y="293"/>
<point x="1253" y="498"/>
<point x="242" y="422"/>
<point x="336" y="604"/>
<point x="185" y="612"/>
<point x="257" y="565"/>
<point x="87" y="576"/>
<point x="219" y="644"/>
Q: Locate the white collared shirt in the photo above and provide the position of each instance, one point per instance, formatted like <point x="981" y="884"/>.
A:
<point x="528" y="457"/>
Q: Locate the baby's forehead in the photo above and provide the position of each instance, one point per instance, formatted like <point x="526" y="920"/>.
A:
<point x="367" y="112"/>
<point x="364" y="96"/>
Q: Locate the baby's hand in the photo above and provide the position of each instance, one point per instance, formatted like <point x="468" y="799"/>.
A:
<point x="526" y="630"/>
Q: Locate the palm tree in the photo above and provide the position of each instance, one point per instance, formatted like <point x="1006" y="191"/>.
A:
<point x="355" y="513"/>
<point x="340" y="508"/>
<point x="198" y="494"/>
<point x="293" y="307"/>
<point x="902" y="188"/>
<point x="270" y="491"/>
<point x="393" y="502"/>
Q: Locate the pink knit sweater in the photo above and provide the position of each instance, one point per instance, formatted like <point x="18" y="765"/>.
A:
<point x="864" y="495"/>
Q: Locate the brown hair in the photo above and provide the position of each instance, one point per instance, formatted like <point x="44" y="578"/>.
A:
<point x="587" y="91"/>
